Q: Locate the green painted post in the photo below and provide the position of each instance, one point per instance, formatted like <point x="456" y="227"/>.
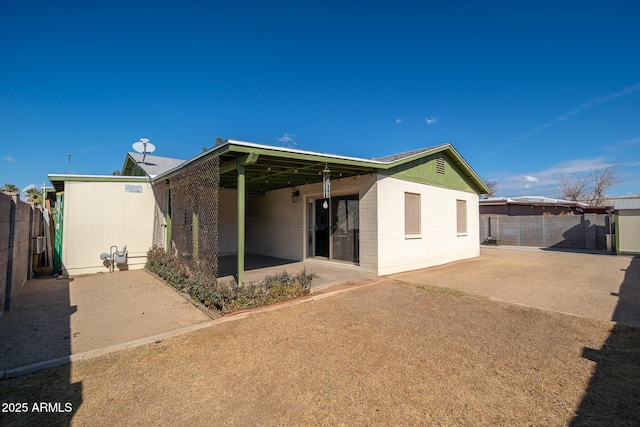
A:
<point x="618" y="232"/>
<point x="241" y="217"/>
<point x="195" y="225"/>
<point x="168" y="242"/>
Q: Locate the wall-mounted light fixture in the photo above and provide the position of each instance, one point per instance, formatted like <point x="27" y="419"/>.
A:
<point x="295" y="195"/>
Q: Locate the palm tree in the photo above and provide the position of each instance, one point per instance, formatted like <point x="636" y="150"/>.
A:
<point x="35" y="195"/>
<point x="10" y="188"/>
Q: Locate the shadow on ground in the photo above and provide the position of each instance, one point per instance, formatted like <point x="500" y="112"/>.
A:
<point x="228" y="264"/>
<point x="48" y="315"/>
<point x="613" y="394"/>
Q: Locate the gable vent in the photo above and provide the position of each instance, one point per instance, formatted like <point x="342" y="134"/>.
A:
<point x="440" y="165"/>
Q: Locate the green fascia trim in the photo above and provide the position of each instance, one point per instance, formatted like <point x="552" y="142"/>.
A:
<point x="423" y="171"/>
<point x="473" y="182"/>
<point x="317" y="158"/>
<point x="61" y="179"/>
<point x="96" y="178"/>
<point x="128" y="166"/>
<point x="131" y="168"/>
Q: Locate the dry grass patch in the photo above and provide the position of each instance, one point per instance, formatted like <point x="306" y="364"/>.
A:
<point x="387" y="354"/>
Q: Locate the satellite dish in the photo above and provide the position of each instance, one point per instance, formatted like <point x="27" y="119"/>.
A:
<point x="144" y="147"/>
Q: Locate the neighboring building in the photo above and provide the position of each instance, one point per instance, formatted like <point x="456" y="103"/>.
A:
<point x="535" y="205"/>
<point x="545" y="222"/>
<point x="628" y="226"/>
<point x="99" y="212"/>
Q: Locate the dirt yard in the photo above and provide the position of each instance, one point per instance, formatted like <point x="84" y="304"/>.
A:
<point x="392" y="353"/>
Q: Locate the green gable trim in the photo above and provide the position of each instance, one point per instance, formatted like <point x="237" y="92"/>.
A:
<point x="58" y="180"/>
<point x="292" y="167"/>
<point x="423" y="171"/>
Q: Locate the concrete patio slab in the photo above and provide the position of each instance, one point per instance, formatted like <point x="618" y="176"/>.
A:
<point x="52" y="318"/>
<point x="329" y="273"/>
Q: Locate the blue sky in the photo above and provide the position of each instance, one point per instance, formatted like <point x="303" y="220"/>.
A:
<point x="525" y="91"/>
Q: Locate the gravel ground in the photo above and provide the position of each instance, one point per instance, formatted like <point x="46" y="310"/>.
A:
<point x="582" y="284"/>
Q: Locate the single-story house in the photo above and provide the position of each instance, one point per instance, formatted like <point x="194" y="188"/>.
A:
<point x="628" y="226"/>
<point x="401" y="212"/>
<point x="385" y="215"/>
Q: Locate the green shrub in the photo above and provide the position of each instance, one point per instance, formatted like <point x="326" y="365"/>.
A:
<point x="226" y="297"/>
<point x="170" y="268"/>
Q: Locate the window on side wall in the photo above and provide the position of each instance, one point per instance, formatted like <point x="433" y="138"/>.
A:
<point x="411" y="215"/>
<point x="461" y="215"/>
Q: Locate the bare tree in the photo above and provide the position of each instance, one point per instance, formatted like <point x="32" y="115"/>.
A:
<point x="603" y="178"/>
<point x="592" y="188"/>
<point x="493" y="188"/>
<point x="573" y="187"/>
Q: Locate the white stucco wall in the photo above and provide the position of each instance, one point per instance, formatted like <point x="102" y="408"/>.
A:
<point x="100" y="214"/>
<point x="439" y="242"/>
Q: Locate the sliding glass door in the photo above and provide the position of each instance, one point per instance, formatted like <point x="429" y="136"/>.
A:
<point x="336" y="228"/>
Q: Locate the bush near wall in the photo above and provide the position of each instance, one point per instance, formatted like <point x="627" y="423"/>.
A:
<point x="226" y="297"/>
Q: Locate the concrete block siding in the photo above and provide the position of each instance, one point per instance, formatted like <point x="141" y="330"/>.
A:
<point x="15" y="232"/>
<point x="275" y="226"/>
<point x="5" y="226"/>
<point x="278" y="227"/>
<point x="439" y="242"/>
<point x="586" y="231"/>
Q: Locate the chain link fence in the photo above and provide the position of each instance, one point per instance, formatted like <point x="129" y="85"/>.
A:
<point x="186" y="214"/>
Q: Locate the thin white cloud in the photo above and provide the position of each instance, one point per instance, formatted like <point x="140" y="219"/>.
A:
<point x="399" y="120"/>
<point x="288" y="140"/>
<point x="545" y="182"/>
<point x="611" y="97"/>
<point x="620" y="145"/>
<point x="589" y="104"/>
<point x="430" y="120"/>
<point x="28" y="187"/>
<point x="10" y="159"/>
